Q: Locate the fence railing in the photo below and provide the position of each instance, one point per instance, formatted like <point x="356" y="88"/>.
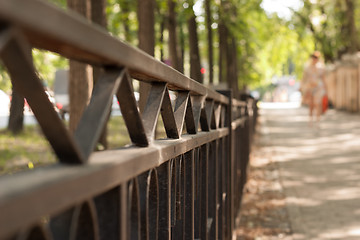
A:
<point x="187" y="186"/>
<point x="343" y="82"/>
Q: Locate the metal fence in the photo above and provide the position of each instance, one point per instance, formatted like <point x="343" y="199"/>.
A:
<point x="343" y="83"/>
<point x="187" y="186"/>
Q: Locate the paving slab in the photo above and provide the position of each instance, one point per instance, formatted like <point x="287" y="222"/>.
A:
<point x="319" y="170"/>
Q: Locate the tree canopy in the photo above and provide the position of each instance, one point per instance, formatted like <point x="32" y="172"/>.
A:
<point x="265" y="44"/>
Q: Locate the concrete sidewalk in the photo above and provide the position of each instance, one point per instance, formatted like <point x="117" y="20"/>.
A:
<point x="319" y="169"/>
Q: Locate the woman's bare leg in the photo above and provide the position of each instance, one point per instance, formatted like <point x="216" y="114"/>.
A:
<point x="318" y="112"/>
<point x="311" y="110"/>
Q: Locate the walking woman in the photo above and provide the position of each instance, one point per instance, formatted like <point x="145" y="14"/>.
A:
<point x="313" y="87"/>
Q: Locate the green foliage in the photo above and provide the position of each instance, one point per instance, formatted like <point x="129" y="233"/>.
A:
<point x="30" y="149"/>
<point x="328" y="24"/>
<point x="59" y="3"/>
<point x="122" y="20"/>
<point x="46" y="63"/>
<point x="23" y="151"/>
<point x="5" y="83"/>
<point x="266" y="44"/>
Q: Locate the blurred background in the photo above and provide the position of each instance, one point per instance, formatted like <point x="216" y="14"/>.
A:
<point x="256" y="47"/>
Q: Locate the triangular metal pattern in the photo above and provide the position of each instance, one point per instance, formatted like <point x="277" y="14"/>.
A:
<point x="168" y="117"/>
<point x="180" y="109"/>
<point x="16" y="55"/>
<point x="193" y="111"/>
<point x="215" y="119"/>
<point x="130" y="112"/>
<point x="152" y="109"/>
<point x="189" y="118"/>
<point x="95" y="115"/>
<point x="206" y="114"/>
<point x="222" y="116"/>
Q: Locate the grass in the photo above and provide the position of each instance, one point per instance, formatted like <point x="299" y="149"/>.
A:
<point x="26" y="150"/>
<point x="30" y="148"/>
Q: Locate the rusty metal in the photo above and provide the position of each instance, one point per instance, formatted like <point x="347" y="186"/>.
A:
<point x="187" y="186"/>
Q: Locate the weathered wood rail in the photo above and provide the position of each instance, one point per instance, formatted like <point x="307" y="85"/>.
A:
<point x="343" y="82"/>
<point x="187" y="186"/>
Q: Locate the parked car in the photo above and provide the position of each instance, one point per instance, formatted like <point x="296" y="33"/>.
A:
<point x="4" y="103"/>
<point x="61" y="94"/>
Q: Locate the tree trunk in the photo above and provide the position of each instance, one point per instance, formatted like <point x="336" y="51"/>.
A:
<point x="173" y="47"/>
<point x="125" y="11"/>
<point x="98" y="16"/>
<point x="161" y="40"/>
<point x="222" y="32"/>
<point x="209" y="40"/>
<point x="80" y="75"/>
<point x="232" y="70"/>
<point x="352" y="36"/>
<point x="195" y="65"/>
<point x="16" y="118"/>
<point x="146" y="18"/>
<point x="182" y="47"/>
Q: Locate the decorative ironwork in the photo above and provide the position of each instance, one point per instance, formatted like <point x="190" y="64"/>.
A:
<point x="187" y="186"/>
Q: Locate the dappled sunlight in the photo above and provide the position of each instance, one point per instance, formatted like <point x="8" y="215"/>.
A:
<point x="344" y="232"/>
<point x="357" y="212"/>
<point x="307" y="202"/>
<point x="319" y="168"/>
<point x="343" y="194"/>
<point x="354" y="232"/>
<point x="279" y="105"/>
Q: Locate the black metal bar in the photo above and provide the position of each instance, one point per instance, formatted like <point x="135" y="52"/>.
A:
<point x="152" y="109"/>
<point x="213" y="188"/>
<point x="134" y="211"/>
<point x="84" y="222"/>
<point x="189" y="195"/>
<point x="180" y="109"/>
<point x="165" y="202"/>
<point x="190" y="120"/>
<point x="144" y="181"/>
<point x="124" y="226"/>
<point x="204" y="231"/>
<point x="130" y="112"/>
<point x="206" y="114"/>
<point x="215" y="119"/>
<point x="168" y="117"/>
<point x="197" y="104"/>
<point x="95" y="115"/>
<point x="108" y="214"/>
<point x="153" y="205"/>
<point x="178" y="229"/>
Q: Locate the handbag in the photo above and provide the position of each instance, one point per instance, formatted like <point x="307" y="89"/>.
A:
<point x="325" y="103"/>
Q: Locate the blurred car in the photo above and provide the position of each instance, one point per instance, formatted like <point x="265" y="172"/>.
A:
<point x="61" y="95"/>
<point x="115" y="103"/>
<point x="295" y="97"/>
<point x="4" y="103"/>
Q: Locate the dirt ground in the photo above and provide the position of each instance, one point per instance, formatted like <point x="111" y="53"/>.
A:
<point x="304" y="180"/>
<point x="263" y="214"/>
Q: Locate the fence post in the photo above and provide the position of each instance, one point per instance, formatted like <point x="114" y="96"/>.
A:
<point x="229" y="208"/>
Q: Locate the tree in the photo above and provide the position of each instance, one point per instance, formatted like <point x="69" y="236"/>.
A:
<point x="195" y="65"/>
<point x="16" y="118"/>
<point x="228" y="69"/>
<point x="351" y="31"/>
<point x="332" y="24"/>
<point x="173" y="47"/>
<point x="80" y="74"/>
<point x="209" y="40"/>
<point x="146" y="35"/>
